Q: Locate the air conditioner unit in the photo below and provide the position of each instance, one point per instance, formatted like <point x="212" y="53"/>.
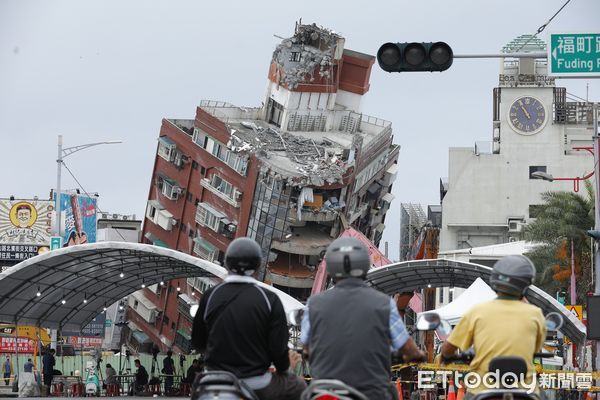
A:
<point x="231" y="227"/>
<point x="173" y="221"/>
<point x="237" y="194"/>
<point x="115" y="216"/>
<point x="104" y="216"/>
<point x="515" y="225"/>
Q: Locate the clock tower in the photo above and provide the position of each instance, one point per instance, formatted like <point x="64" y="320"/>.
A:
<point x="491" y="192"/>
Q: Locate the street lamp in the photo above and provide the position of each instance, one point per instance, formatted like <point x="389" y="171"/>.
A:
<point x="62" y="153"/>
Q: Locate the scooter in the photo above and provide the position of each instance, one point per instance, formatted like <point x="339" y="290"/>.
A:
<point x="92" y="382"/>
<point x="222" y="385"/>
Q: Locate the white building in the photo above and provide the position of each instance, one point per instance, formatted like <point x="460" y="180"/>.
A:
<point x="116" y="228"/>
<point x="490" y="193"/>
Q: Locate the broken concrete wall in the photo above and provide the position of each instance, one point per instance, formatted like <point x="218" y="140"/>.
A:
<point x="308" y="57"/>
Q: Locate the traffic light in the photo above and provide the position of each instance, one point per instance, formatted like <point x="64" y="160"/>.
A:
<point x="415" y="57"/>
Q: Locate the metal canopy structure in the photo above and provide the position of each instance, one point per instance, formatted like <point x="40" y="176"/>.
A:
<point x="75" y="283"/>
<point x="419" y="274"/>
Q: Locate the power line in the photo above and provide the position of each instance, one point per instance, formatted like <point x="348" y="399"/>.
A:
<point x="87" y="194"/>
<point x="541" y="28"/>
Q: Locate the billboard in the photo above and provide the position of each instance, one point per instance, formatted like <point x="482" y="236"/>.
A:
<point x="9" y="344"/>
<point x="79" y="215"/>
<point x="25" y="228"/>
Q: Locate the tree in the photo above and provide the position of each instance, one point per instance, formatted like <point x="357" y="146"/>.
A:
<point x="564" y="217"/>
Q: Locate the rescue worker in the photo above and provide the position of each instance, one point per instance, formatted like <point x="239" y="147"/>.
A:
<point x="505" y="326"/>
<point x="350" y="331"/>
<point x="242" y="328"/>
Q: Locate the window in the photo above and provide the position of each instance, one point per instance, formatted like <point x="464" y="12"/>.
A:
<point x="135" y="304"/>
<point x="222" y="185"/>
<point x="166" y="148"/>
<point x="441" y="290"/>
<point x="536" y="168"/>
<point x="202" y="171"/>
<point x="189" y="196"/>
<point x="165" y="320"/>
<point x="173" y="325"/>
<point x="209" y="217"/>
<point x="205" y="249"/>
<point x="152" y="210"/>
<point x="191" y="233"/>
<point x="194" y="164"/>
<point x="170" y="189"/>
<point x="182" y="228"/>
<point x="534" y="210"/>
<point x="275" y="112"/>
<point x="451" y="295"/>
<point x="295" y="56"/>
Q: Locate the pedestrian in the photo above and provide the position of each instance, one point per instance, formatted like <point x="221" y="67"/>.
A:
<point x="111" y="375"/>
<point x="141" y="379"/>
<point x="169" y="371"/>
<point x="191" y="372"/>
<point x="28" y="367"/>
<point x="48" y="362"/>
<point x="7" y="370"/>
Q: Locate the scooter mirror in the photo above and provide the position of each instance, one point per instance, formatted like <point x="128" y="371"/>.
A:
<point x="193" y="310"/>
<point x="428" y="321"/>
<point x="444" y="329"/>
<point x="554" y="321"/>
<point x="295" y="317"/>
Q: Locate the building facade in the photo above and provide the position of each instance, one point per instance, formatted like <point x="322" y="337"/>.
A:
<point x="291" y="174"/>
<point x="492" y="192"/>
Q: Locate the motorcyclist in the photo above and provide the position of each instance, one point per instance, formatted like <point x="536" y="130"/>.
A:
<point x="350" y="331"/>
<point x="242" y="328"/>
<point x="505" y="326"/>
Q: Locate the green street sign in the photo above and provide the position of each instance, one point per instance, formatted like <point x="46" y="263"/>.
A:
<point x="55" y="242"/>
<point x="108" y="323"/>
<point x="574" y="54"/>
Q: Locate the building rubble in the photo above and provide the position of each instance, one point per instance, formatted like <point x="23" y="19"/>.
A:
<point x="316" y="162"/>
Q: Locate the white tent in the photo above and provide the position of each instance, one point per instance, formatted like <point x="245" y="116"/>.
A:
<point x="478" y="292"/>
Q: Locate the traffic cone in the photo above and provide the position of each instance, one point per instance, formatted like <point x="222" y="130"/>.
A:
<point x="399" y="389"/>
<point x="451" y="393"/>
<point x="461" y="391"/>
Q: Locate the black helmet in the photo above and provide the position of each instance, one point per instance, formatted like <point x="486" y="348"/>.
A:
<point x="347" y="257"/>
<point x="243" y="256"/>
<point x="512" y="275"/>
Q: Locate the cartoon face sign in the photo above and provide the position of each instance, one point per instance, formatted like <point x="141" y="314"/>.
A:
<point x="23" y="214"/>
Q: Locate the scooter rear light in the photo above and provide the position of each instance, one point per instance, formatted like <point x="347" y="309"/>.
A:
<point x="326" y="397"/>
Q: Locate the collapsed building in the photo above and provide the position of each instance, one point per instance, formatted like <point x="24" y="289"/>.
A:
<point x="291" y="174"/>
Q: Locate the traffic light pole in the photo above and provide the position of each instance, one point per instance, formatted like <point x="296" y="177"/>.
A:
<point x="503" y="55"/>
<point x="596" y="139"/>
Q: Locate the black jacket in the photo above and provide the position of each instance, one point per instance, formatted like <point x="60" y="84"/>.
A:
<point x="241" y="328"/>
<point x="141" y="376"/>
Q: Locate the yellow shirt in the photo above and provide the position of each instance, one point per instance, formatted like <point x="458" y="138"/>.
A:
<point x="500" y="327"/>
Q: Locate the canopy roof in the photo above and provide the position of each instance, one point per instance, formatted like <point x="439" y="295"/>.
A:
<point x="418" y="274"/>
<point x="478" y="292"/>
<point x="92" y="272"/>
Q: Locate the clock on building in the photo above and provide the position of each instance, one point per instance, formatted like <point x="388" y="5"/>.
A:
<point x="527" y="115"/>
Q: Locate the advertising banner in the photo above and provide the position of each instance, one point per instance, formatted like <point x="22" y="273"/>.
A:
<point x="25" y="228"/>
<point x="9" y="344"/>
<point x="85" y="341"/>
<point x="79" y="215"/>
<point x="94" y="329"/>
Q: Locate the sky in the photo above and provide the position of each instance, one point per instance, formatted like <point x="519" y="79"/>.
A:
<point x="101" y="70"/>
